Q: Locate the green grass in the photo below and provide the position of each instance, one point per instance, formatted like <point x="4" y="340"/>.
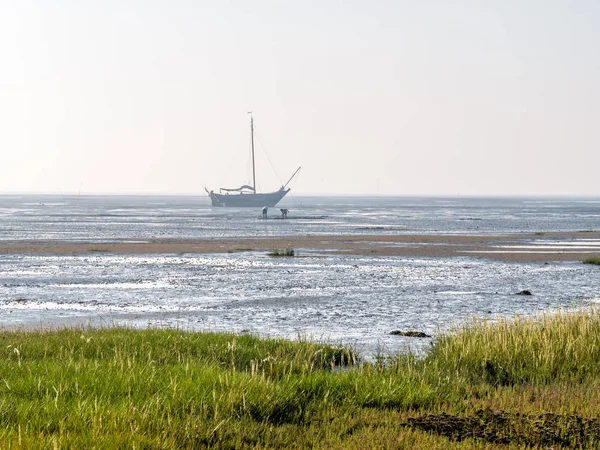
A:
<point x="289" y="251"/>
<point x="551" y="348"/>
<point x="522" y="383"/>
<point x="592" y="260"/>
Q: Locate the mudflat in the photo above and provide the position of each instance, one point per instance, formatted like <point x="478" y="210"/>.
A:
<point x="548" y="246"/>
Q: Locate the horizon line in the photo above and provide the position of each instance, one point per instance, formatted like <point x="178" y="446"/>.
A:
<point x="300" y="194"/>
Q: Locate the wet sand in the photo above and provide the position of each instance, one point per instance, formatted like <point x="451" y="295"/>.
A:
<point x="504" y="247"/>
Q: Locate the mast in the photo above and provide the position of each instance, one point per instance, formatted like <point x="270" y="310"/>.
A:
<point x="252" y="142"/>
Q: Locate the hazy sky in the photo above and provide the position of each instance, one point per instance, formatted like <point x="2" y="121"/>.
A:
<point x="390" y="97"/>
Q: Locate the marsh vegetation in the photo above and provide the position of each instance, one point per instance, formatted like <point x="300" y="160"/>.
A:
<point x="288" y="251"/>
<point x="526" y="382"/>
<point x="592" y="260"/>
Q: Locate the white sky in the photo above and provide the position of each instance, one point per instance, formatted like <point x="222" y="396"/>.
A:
<point x="392" y="97"/>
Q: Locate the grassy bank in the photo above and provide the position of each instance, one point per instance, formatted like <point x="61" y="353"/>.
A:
<point x="516" y="384"/>
<point x="592" y="260"/>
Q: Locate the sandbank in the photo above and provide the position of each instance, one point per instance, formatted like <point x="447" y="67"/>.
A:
<point x="548" y="246"/>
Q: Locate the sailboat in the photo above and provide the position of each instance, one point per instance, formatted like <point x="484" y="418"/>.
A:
<point x="246" y="196"/>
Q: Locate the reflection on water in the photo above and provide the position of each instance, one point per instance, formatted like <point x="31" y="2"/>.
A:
<point x="353" y="299"/>
<point x="102" y="218"/>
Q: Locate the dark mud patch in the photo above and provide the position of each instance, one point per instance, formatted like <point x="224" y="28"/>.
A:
<point x="500" y="427"/>
<point x="418" y="334"/>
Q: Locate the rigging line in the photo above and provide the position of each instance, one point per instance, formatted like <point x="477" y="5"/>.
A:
<point x="268" y="156"/>
<point x="249" y="165"/>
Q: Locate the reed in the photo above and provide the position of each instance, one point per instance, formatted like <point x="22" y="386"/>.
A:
<point x="557" y="347"/>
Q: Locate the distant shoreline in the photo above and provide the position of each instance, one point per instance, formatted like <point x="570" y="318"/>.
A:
<point x="524" y="247"/>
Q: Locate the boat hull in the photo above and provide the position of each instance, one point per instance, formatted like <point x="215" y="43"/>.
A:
<point x="269" y="199"/>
